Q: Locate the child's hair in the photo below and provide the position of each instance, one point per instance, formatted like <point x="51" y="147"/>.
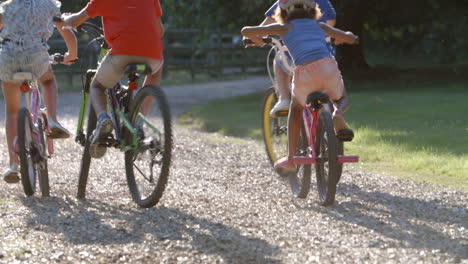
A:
<point x="282" y="16"/>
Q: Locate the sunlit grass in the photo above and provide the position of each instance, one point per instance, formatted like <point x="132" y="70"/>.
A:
<point x="415" y="132"/>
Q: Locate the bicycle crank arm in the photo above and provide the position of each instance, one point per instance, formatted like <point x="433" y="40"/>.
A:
<point x="300" y="160"/>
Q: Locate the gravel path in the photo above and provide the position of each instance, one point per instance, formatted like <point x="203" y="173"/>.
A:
<point x="224" y="204"/>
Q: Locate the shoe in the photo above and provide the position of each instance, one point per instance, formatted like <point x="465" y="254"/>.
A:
<point x="11" y="175"/>
<point x="342" y="129"/>
<point x="285" y="165"/>
<point x="103" y="130"/>
<point x="57" y="130"/>
<point x="281" y="108"/>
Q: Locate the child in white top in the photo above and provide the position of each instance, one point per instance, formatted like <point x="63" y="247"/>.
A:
<point x="26" y="27"/>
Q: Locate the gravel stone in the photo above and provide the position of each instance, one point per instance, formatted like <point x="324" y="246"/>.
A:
<point x="224" y="204"/>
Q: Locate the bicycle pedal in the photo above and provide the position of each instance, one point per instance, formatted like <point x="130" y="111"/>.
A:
<point x="280" y="114"/>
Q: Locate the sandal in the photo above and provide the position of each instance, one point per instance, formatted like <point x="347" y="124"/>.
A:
<point x="343" y="131"/>
<point x="11" y="175"/>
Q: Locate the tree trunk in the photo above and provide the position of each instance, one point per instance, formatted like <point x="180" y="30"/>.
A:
<point x="350" y="17"/>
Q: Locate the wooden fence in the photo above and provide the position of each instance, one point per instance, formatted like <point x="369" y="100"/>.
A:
<point x="218" y="55"/>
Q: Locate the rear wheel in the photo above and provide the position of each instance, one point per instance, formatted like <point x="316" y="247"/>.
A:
<point x="274" y="130"/>
<point x="27" y="152"/>
<point x="327" y="163"/>
<point x="300" y="181"/>
<point x="148" y="165"/>
<point x="41" y="167"/>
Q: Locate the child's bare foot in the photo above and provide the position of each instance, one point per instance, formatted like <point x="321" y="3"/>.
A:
<point x="285" y="165"/>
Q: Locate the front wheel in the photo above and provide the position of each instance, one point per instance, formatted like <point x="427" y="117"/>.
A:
<point x="86" y="157"/>
<point x="147" y="164"/>
<point x="327" y="164"/>
<point x="274" y="129"/>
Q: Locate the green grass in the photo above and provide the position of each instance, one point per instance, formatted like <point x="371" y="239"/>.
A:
<point x="410" y="124"/>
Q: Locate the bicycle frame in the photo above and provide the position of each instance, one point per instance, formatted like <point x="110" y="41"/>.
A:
<point x="32" y="101"/>
<point x="310" y="119"/>
<point x="278" y="47"/>
<point x="132" y="85"/>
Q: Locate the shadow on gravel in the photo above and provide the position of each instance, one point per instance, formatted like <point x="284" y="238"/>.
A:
<point x="97" y="223"/>
<point x="407" y="221"/>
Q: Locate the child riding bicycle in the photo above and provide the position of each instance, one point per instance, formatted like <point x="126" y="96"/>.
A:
<point x="27" y="25"/>
<point x="316" y="68"/>
<point x="282" y="74"/>
<point x="134" y="31"/>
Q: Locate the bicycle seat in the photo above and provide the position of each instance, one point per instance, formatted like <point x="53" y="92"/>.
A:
<point x="23" y="76"/>
<point x="317" y="98"/>
<point x="138" y="68"/>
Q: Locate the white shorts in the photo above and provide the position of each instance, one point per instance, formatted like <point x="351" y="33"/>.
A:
<point x="11" y="63"/>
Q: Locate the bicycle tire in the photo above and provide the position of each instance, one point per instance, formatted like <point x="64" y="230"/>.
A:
<point x="86" y="157"/>
<point x="300" y="186"/>
<point x="43" y="171"/>
<point x="326" y="147"/>
<point x="339" y="152"/>
<point x="162" y="146"/>
<point x="25" y="134"/>
<point x="274" y="130"/>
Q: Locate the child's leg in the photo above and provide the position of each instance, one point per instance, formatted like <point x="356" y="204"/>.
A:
<point x="153" y="79"/>
<point x="50" y="95"/>
<point x="294" y="126"/>
<point x="283" y="82"/>
<point x="12" y="95"/>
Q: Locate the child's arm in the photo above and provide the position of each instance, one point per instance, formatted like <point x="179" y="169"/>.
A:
<point x="256" y="33"/>
<point x="70" y="41"/>
<point x="339" y="35"/>
<point x="76" y="19"/>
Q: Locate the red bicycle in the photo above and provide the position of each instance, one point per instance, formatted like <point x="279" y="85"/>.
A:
<point x="318" y="143"/>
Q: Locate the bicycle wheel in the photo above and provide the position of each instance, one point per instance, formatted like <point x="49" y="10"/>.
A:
<point x="274" y="130"/>
<point x="86" y="157"/>
<point x="327" y="164"/>
<point x="27" y="152"/>
<point x="300" y="181"/>
<point x="148" y="165"/>
<point x="339" y="152"/>
<point x="41" y="166"/>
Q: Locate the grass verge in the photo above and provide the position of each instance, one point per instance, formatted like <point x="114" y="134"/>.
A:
<point x="407" y="124"/>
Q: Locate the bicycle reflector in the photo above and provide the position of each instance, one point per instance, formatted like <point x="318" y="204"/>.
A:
<point x="132" y="86"/>
<point x="24" y="88"/>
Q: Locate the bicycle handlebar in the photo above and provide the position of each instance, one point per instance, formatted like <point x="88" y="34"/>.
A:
<point x="81" y="27"/>
<point x="269" y="40"/>
<point x="266" y="40"/>
<point x="58" y="58"/>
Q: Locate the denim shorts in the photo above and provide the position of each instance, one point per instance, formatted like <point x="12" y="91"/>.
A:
<point x="13" y="59"/>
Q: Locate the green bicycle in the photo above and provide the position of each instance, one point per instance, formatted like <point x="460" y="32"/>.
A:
<point x="142" y="130"/>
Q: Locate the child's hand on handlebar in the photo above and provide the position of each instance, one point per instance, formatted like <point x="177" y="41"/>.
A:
<point x="349" y="38"/>
<point x="256" y="41"/>
<point x="70" y="58"/>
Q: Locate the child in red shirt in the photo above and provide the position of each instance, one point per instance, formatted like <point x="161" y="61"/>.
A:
<point x="134" y="30"/>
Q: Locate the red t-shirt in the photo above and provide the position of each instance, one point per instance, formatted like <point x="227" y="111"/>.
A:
<point x="131" y="27"/>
